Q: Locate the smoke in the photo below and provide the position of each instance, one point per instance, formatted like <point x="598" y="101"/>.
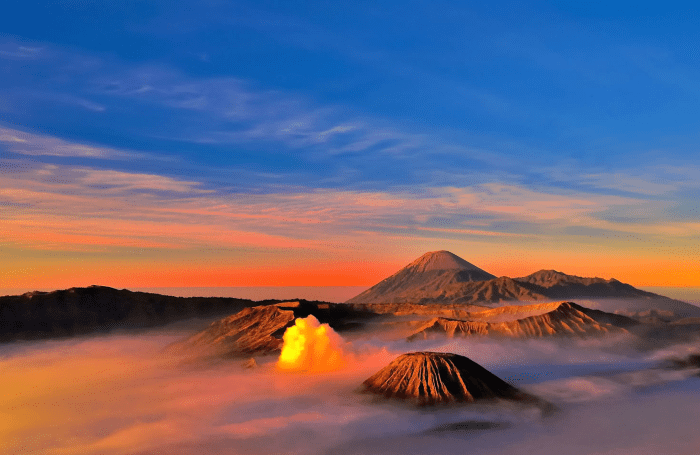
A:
<point x="311" y="347"/>
<point x="119" y="395"/>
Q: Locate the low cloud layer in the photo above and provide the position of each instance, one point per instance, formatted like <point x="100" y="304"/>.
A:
<point x="122" y="395"/>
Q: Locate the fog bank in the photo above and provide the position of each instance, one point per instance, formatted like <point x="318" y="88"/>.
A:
<point x="122" y="395"/>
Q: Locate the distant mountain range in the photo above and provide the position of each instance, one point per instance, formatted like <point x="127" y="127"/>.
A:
<point x="441" y="277"/>
<point x="438" y="285"/>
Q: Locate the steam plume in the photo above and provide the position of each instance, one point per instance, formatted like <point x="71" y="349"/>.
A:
<point x="311" y="346"/>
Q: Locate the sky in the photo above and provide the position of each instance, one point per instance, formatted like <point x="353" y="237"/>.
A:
<point x="213" y="143"/>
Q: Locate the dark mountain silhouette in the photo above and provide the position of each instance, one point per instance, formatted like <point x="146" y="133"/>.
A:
<point x="430" y="378"/>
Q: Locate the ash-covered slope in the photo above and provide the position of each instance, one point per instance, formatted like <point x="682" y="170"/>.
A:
<point x="529" y="321"/>
<point x="428" y="378"/>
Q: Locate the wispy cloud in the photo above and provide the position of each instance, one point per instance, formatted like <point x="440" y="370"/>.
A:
<point x="57" y="205"/>
<point x="268" y="123"/>
<point x="18" y="51"/>
<point x="82" y="102"/>
<point x="646" y="184"/>
<point x="24" y="143"/>
<point x="223" y="111"/>
<point x="98" y="178"/>
<point x="238" y="113"/>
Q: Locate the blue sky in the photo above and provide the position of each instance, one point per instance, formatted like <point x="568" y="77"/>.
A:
<point x="572" y="124"/>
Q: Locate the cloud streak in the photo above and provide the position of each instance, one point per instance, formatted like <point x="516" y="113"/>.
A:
<point x="23" y="143"/>
<point x="220" y="112"/>
<point x="84" y="206"/>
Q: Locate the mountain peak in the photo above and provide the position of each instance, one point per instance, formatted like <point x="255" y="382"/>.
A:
<point x="441" y="260"/>
<point x="424" y="279"/>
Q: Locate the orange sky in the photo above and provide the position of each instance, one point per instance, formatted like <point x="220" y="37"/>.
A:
<point x="62" y="229"/>
<point x="58" y="272"/>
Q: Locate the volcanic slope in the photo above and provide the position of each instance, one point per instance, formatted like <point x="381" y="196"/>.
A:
<point x="442" y="277"/>
<point x="528" y="321"/>
<point x="430" y="378"/>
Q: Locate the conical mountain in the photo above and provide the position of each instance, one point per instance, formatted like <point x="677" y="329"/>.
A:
<point x="444" y="260"/>
<point x="428" y="378"/>
<point x="423" y="280"/>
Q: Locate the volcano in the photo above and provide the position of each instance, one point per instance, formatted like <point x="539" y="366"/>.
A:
<point x="430" y="378"/>
<point x="427" y="279"/>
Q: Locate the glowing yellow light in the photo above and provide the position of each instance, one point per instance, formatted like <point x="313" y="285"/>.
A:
<point x="311" y="346"/>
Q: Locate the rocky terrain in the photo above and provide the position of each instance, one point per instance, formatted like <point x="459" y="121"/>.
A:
<point x="429" y="277"/>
